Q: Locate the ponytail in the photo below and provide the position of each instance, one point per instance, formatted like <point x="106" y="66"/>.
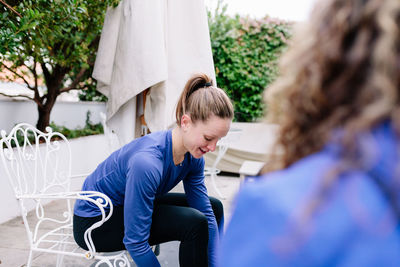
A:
<point x="201" y="99"/>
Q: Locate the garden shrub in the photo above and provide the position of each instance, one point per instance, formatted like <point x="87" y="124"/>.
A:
<point x="245" y="53"/>
<point x="89" y="129"/>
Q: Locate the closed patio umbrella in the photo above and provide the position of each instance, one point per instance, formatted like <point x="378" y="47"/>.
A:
<point x="155" y="44"/>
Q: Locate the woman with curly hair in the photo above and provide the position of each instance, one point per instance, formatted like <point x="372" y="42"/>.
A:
<point x="331" y="196"/>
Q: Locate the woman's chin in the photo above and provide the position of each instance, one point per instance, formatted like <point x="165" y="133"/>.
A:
<point x="198" y="153"/>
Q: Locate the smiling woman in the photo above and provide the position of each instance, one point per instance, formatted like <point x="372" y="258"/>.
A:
<point x="138" y="177"/>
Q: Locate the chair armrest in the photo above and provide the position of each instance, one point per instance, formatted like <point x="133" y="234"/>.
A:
<point x="99" y="199"/>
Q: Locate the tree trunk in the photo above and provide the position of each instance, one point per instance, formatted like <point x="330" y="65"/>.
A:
<point x="53" y="84"/>
<point x="44" y="119"/>
<point x="44" y="112"/>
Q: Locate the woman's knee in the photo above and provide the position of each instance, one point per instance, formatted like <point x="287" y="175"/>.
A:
<point x="197" y="224"/>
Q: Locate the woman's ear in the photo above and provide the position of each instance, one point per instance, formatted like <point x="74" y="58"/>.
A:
<point x="185" y="122"/>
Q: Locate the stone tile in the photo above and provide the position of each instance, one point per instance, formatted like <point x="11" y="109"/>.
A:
<point x="13" y="257"/>
<point x="50" y="260"/>
<point x="13" y="237"/>
<point x="169" y="255"/>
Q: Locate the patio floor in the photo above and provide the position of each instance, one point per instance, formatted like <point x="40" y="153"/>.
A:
<point x="14" y="248"/>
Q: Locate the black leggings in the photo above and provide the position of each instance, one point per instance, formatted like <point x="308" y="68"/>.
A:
<point x="172" y="219"/>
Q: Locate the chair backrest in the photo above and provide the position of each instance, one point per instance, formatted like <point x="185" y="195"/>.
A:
<point x="36" y="162"/>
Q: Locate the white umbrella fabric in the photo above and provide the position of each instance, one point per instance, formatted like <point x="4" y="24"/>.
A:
<point x="156" y="44"/>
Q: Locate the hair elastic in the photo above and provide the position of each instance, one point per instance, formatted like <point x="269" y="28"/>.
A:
<point x="207" y="84"/>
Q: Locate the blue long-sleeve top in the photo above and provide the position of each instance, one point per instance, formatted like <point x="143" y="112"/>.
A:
<point x="354" y="225"/>
<point x="137" y="173"/>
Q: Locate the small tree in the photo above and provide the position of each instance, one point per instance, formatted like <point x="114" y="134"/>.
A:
<point x="51" y="40"/>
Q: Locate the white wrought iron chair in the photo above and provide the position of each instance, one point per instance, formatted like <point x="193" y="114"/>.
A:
<point x="38" y="167"/>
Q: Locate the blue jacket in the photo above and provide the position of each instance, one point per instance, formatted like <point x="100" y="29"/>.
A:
<point x="353" y="226"/>
<point x="133" y="176"/>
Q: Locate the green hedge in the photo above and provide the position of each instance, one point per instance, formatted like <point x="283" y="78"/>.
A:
<point x="245" y="53"/>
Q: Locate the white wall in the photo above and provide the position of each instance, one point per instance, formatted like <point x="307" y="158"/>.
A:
<point x="68" y="114"/>
<point x="87" y="153"/>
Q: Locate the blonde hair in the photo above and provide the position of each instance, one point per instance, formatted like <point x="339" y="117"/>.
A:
<point x="342" y="71"/>
<point x="200" y="99"/>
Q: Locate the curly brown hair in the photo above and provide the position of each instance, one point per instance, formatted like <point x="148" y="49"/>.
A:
<point x="341" y="71"/>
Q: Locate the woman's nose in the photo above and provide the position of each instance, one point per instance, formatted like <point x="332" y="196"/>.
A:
<point x="211" y="147"/>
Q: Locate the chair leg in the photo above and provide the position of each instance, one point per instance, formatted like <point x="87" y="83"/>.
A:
<point x="29" y="264"/>
<point x="157" y="250"/>
<point x="60" y="258"/>
<point x="214" y="184"/>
